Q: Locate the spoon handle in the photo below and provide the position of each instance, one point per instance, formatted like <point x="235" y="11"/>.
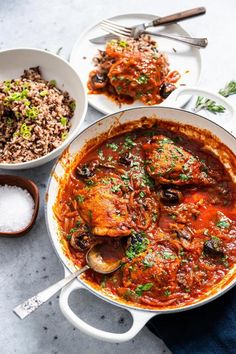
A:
<point x="30" y="305"/>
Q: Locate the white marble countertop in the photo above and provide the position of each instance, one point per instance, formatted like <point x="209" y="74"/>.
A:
<point x="29" y="264"/>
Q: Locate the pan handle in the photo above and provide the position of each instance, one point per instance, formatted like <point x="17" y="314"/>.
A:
<point x="228" y="122"/>
<point x="140" y="318"/>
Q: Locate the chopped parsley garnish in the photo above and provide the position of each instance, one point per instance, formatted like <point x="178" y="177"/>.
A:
<point x="148" y="263"/>
<point x="154" y="217"/>
<point x="167" y="293"/>
<point x="147" y="181"/>
<point x="79" y="198"/>
<point x="74" y="229"/>
<point x="100" y="154"/>
<point x="223" y="224"/>
<point x="113" y="146"/>
<point x="90" y="182"/>
<point x="129" y="143"/>
<point x="142" y="194"/>
<point x="142" y="79"/>
<point x="116" y="188"/>
<point x="139" y="244"/>
<point x="184" y="177"/>
<point x="168" y="255"/>
<point x="141" y="288"/>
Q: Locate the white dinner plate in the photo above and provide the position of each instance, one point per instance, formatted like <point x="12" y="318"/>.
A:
<point x="182" y="57"/>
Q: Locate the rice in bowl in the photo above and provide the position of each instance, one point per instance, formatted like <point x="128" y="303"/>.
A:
<point x="34" y="117"/>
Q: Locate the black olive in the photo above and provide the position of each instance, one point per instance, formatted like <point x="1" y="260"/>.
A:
<point x="213" y="247"/>
<point x="99" y="80"/>
<point x="171" y="196"/>
<point x="166" y="89"/>
<point x="86" y="170"/>
<point x="125" y="159"/>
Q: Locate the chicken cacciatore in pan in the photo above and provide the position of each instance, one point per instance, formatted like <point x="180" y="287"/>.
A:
<point x="166" y="198"/>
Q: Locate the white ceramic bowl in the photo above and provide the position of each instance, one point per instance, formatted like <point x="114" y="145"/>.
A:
<point x="13" y="62"/>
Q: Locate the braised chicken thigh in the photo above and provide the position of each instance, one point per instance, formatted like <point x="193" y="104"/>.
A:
<point x="169" y="163"/>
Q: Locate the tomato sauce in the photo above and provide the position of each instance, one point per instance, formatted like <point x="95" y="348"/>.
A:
<point x="179" y="235"/>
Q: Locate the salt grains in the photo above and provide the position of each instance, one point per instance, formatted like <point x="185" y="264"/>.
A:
<point x="16" y="208"/>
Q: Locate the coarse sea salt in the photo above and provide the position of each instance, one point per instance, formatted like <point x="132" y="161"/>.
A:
<point x="16" y="208"/>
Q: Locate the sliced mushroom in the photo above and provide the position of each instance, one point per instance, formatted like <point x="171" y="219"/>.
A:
<point x="185" y="234"/>
<point x="81" y="240"/>
<point x="171" y="196"/>
<point x="213" y="247"/>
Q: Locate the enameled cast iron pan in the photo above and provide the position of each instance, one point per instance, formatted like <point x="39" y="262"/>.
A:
<point x="140" y="315"/>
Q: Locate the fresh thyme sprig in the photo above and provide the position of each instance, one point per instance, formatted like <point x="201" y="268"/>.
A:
<point x="229" y="89"/>
<point x="209" y="105"/>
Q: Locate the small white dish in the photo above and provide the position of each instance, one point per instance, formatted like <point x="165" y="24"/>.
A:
<point x="13" y="62"/>
<point x="182" y="57"/>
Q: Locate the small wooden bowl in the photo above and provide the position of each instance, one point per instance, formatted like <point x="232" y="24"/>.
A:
<point x="31" y="187"/>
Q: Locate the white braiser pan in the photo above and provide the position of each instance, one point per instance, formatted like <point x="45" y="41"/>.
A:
<point x="140" y="316"/>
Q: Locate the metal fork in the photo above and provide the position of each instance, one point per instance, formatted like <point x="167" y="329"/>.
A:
<point x="129" y="32"/>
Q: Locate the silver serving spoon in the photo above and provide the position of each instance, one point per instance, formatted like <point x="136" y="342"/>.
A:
<point x="104" y="258"/>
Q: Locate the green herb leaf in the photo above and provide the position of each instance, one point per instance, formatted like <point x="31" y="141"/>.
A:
<point x="90" y="182"/>
<point x="113" y="146"/>
<point x="100" y="154"/>
<point x="139" y="245"/>
<point x="129" y="143"/>
<point x="168" y="255"/>
<point x="32" y="113"/>
<point x="53" y="83"/>
<point x="167" y="293"/>
<point x="141" y="288"/>
<point x="64" y="136"/>
<point x="116" y="188"/>
<point x="184" y="177"/>
<point x="79" y="198"/>
<point x="142" y="79"/>
<point x="223" y="224"/>
<point x="142" y="194"/>
<point x="123" y="44"/>
<point x="43" y="93"/>
<point x="63" y="121"/>
<point x="209" y="105"/>
<point x="25" y="131"/>
<point x="229" y="89"/>
<point x="72" y="105"/>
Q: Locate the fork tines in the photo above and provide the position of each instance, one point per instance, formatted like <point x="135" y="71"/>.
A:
<point x="115" y="29"/>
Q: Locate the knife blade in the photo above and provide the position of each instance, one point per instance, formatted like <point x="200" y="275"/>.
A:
<point x="103" y="39"/>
